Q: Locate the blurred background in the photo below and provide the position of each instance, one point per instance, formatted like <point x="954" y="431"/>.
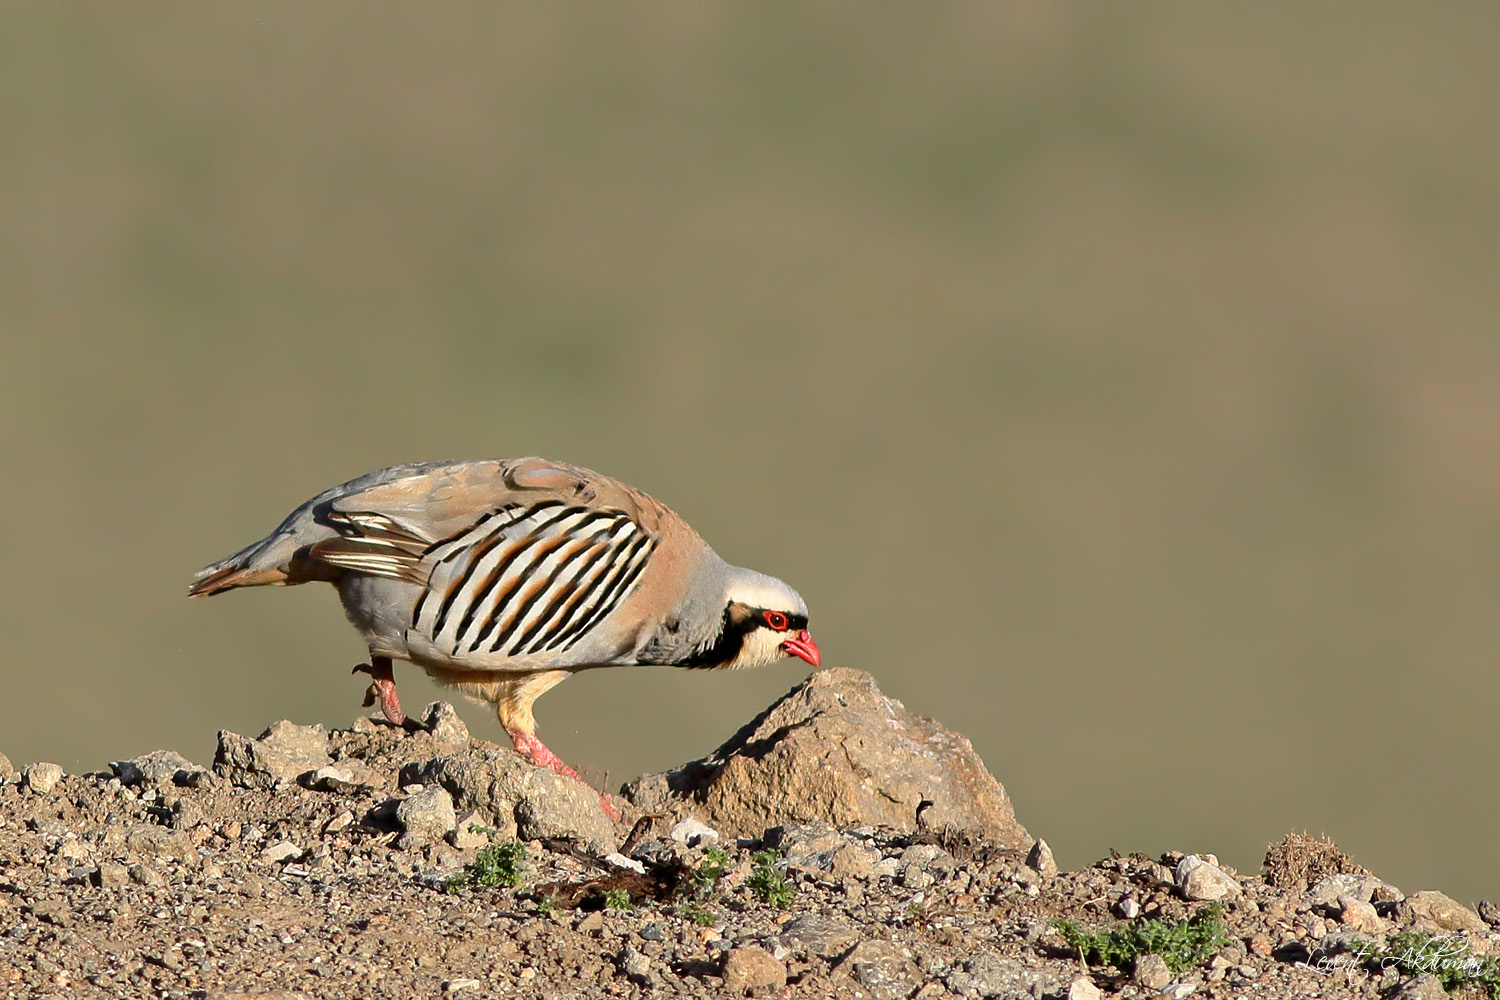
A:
<point x="1120" y="384"/>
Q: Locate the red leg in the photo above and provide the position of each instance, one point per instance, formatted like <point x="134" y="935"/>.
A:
<point x="528" y="746"/>
<point x="383" y="689"/>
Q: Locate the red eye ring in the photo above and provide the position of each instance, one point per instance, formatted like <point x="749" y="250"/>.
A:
<point x="776" y="620"/>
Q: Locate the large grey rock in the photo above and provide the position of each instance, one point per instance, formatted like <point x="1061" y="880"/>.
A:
<point x="836" y="750"/>
<point x="520" y="799"/>
<point x="279" y="755"/>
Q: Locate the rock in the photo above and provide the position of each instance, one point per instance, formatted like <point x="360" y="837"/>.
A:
<point x="331" y="779"/>
<point x="428" y="815"/>
<point x="280" y="754"/>
<point x="1425" y="987"/>
<point x="632" y="961"/>
<point x="444" y="725"/>
<point x="1151" y="972"/>
<point x="1040" y="859"/>
<point x="619" y="860"/>
<point x="818" y="936"/>
<point x="1327" y="890"/>
<point x="1441" y="910"/>
<point x="1201" y="880"/>
<point x="1178" y="991"/>
<point x="750" y="967"/>
<point x="1082" y="988"/>
<point x="1128" y="908"/>
<point x="146" y="838"/>
<point x="338" y="822"/>
<point x="469" y="832"/>
<point x="990" y="975"/>
<point x="1358" y="915"/>
<point x="694" y="833"/>
<point x="836" y="750"/>
<point x="110" y="875"/>
<point x="520" y="800"/>
<point x="882" y="968"/>
<point x="7" y="770"/>
<point x="143" y="874"/>
<point x="461" y="985"/>
<point x="42" y="776"/>
<point x="160" y="767"/>
<point x="281" y="851"/>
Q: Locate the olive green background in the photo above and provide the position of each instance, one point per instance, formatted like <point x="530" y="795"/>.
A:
<point x="1120" y="384"/>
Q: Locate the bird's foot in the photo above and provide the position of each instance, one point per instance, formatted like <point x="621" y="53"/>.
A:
<point x="383" y="689"/>
<point x="534" y="750"/>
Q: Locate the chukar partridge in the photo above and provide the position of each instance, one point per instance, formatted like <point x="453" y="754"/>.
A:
<point x="501" y="578"/>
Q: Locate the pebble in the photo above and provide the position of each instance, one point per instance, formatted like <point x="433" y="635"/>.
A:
<point x="1040" y="859"/>
<point x="42" y="776"/>
<point x="1083" y="988"/>
<point x="749" y="967"/>
<point x="632" y="961"/>
<point x="1151" y="972"/>
<point x="1442" y="910"/>
<point x="334" y="825"/>
<point x="1128" y="908"/>
<point x="1358" y="915"/>
<point x="281" y="851"/>
<point x="427" y="815"/>
<point x="621" y="861"/>
<point x="1200" y="879"/>
<point x="469" y="832"/>
<point x="444" y="724"/>
<point x="461" y="985"/>
<point x="160" y="767"/>
<point x="694" y="833"/>
<point x="1178" y="991"/>
<point x="883" y="968"/>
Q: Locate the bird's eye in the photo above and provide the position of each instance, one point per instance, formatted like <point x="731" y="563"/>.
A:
<point x="776" y="620"/>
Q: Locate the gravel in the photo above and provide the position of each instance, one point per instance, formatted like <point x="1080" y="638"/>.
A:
<point x="249" y="880"/>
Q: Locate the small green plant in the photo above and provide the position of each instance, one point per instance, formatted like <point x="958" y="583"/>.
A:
<point x="546" y="905"/>
<point x="618" y="901"/>
<point x="1183" y="945"/>
<point x="494" y="866"/>
<point x="1449" y="958"/>
<point x="768" y="884"/>
<point x="696" y="913"/>
<point x="703" y="881"/>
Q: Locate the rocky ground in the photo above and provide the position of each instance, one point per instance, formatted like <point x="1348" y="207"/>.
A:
<point x="838" y="846"/>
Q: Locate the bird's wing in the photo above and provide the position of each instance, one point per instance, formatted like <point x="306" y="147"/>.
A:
<point x="514" y="558"/>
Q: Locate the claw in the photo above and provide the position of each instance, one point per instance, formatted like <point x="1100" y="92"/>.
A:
<point x="531" y="748"/>
<point x="383" y="689"/>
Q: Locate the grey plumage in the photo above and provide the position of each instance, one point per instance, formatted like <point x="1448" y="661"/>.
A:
<point x="503" y="577"/>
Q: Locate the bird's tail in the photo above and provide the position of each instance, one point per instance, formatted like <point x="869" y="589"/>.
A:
<point x="259" y="565"/>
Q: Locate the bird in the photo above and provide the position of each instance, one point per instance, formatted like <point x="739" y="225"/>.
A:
<point x="503" y="577"/>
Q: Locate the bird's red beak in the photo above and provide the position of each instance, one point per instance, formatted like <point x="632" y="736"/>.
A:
<point x="802" y="646"/>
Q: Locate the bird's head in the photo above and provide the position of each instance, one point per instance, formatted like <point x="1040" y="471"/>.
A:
<point x="760" y="620"/>
<point x="769" y="619"/>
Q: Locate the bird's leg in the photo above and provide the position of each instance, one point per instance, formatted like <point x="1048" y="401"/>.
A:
<point x="383" y="689"/>
<point x="528" y="746"/>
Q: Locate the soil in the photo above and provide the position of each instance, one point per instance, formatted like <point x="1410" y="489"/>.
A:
<point x="177" y="883"/>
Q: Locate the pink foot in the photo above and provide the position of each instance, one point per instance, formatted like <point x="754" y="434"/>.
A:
<point x="528" y="746"/>
<point x="383" y="689"/>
